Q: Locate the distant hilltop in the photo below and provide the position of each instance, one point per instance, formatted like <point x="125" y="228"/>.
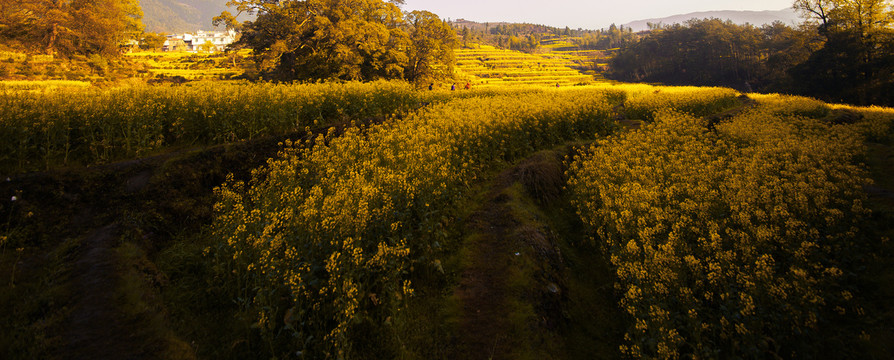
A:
<point x="176" y="16"/>
<point x="756" y="18"/>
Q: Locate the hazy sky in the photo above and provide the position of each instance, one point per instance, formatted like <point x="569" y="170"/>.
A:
<point x="587" y="14"/>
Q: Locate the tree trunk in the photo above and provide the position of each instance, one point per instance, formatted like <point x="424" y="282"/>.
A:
<point x="52" y="41"/>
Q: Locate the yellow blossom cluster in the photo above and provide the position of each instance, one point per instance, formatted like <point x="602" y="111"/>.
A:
<point x="337" y="226"/>
<point x="787" y="105"/>
<point x="94" y="125"/>
<point x="877" y="123"/>
<point x="644" y="101"/>
<point x="727" y="242"/>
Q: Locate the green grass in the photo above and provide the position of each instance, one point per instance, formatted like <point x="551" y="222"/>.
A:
<point x="35" y="303"/>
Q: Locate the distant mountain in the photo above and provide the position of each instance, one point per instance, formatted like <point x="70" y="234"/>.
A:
<point x="756" y="18"/>
<point x="172" y="16"/>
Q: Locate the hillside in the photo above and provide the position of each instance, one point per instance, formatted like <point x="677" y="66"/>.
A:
<point x="489" y="66"/>
<point x="758" y="18"/>
<point x="180" y="15"/>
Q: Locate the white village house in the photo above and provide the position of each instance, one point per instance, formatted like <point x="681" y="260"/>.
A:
<point x="193" y="42"/>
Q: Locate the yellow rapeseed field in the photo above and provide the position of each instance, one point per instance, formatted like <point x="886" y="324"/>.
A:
<point x="338" y="226"/>
<point x="729" y="235"/>
<point x="90" y="125"/>
<point x="730" y="242"/>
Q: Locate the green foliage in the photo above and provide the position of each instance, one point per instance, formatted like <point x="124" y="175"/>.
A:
<point x="856" y="63"/>
<point x="152" y="41"/>
<point x="845" y="53"/>
<point x="71" y="27"/>
<point x="430" y="56"/>
<point x="714" y="53"/>
<point x="343" y="39"/>
<point x="529" y="37"/>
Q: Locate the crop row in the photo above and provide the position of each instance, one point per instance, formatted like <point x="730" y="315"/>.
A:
<point x="736" y="241"/>
<point x="88" y="126"/>
<point x="337" y="227"/>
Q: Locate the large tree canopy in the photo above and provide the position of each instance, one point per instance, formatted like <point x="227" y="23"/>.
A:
<point x="430" y="53"/>
<point x="343" y="39"/>
<point x="69" y="27"/>
<point x="856" y="63"/>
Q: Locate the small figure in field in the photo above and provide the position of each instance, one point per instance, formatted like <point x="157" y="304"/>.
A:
<point x="557" y="85"/>
<point x="431" y="86"/>
<point x="452" y="87"/>
<point x="468" y="85"/>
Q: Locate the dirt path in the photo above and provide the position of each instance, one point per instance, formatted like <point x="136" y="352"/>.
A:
<point x="511" y="287"/>
<point x="98" y="328"/>
<point x="482" y="289"/>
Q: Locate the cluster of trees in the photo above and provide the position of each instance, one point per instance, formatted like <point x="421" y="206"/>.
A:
<point x="526" y="43"/>
<point x="714" y="52"/>
<point x="856" y="61"/>
<point x="520" y="37"/>
<point x="152" y="41"/>
<point x="843" y="53"/>
<point x="611" y="38"/>
<point x="69" y="27"/>
<point x="527" y="37"/>
<point x="344" y="39"/>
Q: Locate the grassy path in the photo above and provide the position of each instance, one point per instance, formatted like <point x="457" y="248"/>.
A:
<point x="518" y="295"/>
<point x="98" y="328"/>
<point x="482" y="290"/>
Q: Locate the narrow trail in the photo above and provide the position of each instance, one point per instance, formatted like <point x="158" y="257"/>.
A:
<point x="482" y="289"/>
<point x="500" y="241"/>
<point x="98" y="328"/>
<point x="510" y="290"/>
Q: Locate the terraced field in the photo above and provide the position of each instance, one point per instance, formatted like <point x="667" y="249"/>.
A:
<point x="482" y="66"/>
<point x="188" y="65"/>
<point x="488" y="66"/>
<point x="589" y="61"/>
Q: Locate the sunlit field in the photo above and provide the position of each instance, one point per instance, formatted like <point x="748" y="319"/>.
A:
<point x="192" y="66"/>
<point x="730" y="223"/>
<point x="487" y="66"/>
<point x="365" y="180"/>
